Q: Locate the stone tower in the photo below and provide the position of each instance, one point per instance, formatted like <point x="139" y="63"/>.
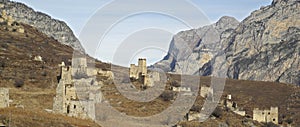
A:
<point x="4" y="97"/>
<point x="76" y="97"/>
<point x="142" y="65"/>
<point x="79" y="64"/>
<point x="139" y="71"/>
<point x="266" y="115"/>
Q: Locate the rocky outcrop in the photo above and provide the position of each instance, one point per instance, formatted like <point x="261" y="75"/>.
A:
<point x="59" y="30"/>
<point x="265" y="47"/>
<point x="194" y="49"/>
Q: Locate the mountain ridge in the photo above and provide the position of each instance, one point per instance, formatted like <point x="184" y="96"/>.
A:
<point x="263" y="47"/>
<point x="57" y="29"/>
<point x="201" y="40"/>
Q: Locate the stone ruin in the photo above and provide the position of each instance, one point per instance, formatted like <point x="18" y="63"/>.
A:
<point x="232" y="105"/>
<point x="181" y="89"/>
<point x="138" y="71"/>
<point x="4" y="97"/>
<point x="266" y="115"/>
<point x="12" y="26"/>
<point x="77" y="91"/>
<point x="191" y="116"/>
<point x="205" y="91"/>
<point x="141" y="73"/>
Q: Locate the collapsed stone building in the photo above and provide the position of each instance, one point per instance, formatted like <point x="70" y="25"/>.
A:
<point x="181" y="89"/>
<point x="4" y="97"/>
<point x="266" y="115"/>
<point x="141" y="73"/>
<point x="138" y="71"/>
<point x="206" y="91"/>
<point x="232" y="105"/>
<point x="78" y="91"/>
<point x="12" y="25"/>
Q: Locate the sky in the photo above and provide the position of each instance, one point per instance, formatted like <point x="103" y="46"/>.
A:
<point x="121" y="31"/>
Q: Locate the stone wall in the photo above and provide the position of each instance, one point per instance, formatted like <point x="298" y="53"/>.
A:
<point x="142" y="65"/>
<point x="241" y="113"/>
<point x="77" y="97"/>
<point x="193" y="116"/>
<point x="138" y="71"/>
<point x="181" y="89"/>
<point x="266" y="115"/>
<point x="151" y="78"/>
<point x="133" y="71"/>
<point x="4" y="97"/>
<point x="204" y="91"/>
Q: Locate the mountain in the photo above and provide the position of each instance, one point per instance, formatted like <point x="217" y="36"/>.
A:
<point x="29" y="68"/>
<point x="265" y="47"/>
<point x="59" y="30"/>
<point x="202" y="44"/>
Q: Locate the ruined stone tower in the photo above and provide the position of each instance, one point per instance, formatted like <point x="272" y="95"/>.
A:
<point x="77" y="97"/>
<point x="142" y="67"/>
<point x="266" y="115"/>
<point x="4" y="97"/>
<point x="139" y="71"/>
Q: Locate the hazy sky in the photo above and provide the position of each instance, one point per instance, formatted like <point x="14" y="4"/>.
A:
<point x="154" y="29"/>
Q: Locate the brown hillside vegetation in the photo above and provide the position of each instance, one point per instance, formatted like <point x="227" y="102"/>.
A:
<point x="32" y="87"/>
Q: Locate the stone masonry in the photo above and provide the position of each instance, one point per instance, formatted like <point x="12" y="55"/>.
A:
<point x="10" y="22"/>
<point x="139" y="71"/>
<point x="4" y="97"/>
<point x="266" y="115"/>
<point x="205" y="91"/>
<point x="76" y="96"/>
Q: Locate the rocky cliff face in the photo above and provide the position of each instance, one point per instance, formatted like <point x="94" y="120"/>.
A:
<point x="59" y="30"/>
<point x="265" y="47"/>
<point x="194" y="49"/>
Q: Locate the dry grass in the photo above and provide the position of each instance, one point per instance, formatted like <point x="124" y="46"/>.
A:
<point x="16" y="62"/>
<point x="18" y="117"/>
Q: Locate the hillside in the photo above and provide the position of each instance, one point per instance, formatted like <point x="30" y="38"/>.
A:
<point x="38" y="90"/>
<point x="31" y="81"/>
<point x="57" y="29"/>
<point x="29" y="68"/>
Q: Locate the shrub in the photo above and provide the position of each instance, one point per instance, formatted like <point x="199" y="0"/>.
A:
<point x="4" y="45"/>
<point x="217" y="112"/>
<point x="44" y="73"/>
<point x="19" y="83"/>
<point x="2" y="64"/>
<point x="196" y="108"/>
<point x="175" y="84"/>
<point x="167" y="95"/>
<point x="133" y="79"/>
<point x="92" y="82"/>
<point x="289" y="121"/>
<point x="270" y="124"/>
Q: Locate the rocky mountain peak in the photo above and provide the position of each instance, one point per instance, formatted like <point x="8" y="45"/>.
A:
<point x="264" y="46"/>
<point x="54" y="28"/>
<point x="277" y="2"/>
<point x="227" y="21"/>
<point x="204" y="42"/>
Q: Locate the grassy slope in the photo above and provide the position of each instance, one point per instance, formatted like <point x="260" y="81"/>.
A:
<point x="16" y="60"/>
